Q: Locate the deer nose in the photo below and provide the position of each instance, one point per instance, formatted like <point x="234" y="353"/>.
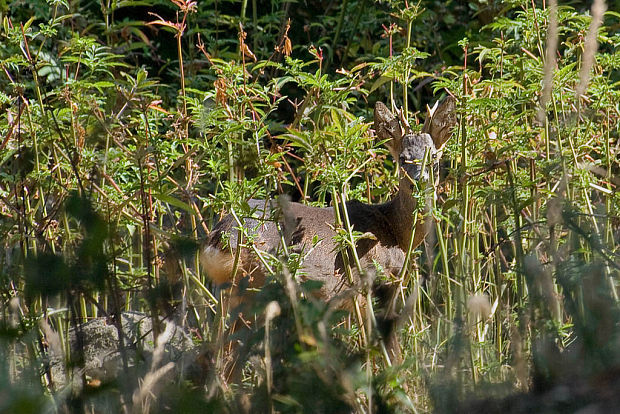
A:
<point x="413" y="168"/>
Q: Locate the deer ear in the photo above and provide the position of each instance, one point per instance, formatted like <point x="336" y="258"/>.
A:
<point x="441" y="121"/>
<point x="388" y="128"/>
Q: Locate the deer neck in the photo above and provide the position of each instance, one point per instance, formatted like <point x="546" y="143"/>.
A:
<point x="400" y="212"/>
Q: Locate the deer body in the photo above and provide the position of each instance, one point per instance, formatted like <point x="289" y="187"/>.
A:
<point x="387" y="228"/>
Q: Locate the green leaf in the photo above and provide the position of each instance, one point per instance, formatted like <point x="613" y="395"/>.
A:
<point x="380" y="82"/>
<point x="174" y="201"/>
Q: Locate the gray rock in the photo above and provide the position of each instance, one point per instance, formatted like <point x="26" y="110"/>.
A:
<point x="103" y="355"/>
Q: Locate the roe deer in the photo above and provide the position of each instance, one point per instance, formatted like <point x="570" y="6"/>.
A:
<point x="388" y="228"/>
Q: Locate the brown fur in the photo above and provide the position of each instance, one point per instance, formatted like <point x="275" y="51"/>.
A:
<point x="217" y="263"/>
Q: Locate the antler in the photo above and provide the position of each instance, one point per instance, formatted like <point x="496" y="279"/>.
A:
<point x="388" y="128"/>
<point x="441" y="121"/>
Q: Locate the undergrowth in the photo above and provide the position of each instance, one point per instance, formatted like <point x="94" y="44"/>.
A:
<point x="128" y="128"/>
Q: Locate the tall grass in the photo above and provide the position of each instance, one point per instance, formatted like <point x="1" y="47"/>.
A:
<point x="122" y="144"/>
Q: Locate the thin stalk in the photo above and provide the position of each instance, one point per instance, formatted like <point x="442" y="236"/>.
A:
<point x="255" y="24"/>
<point x="338" y="30"/>
<point x="464" y="187"/>
<point x="244" y="6"/>
<point x="498" y="281"/>
<point x="268" y="370"/>
<point x="147" y="257"/>
<point x="358" y="16"/>
<point x="406" y="77"/>
<point x="239" y="242"/>
<point x="443" y="251"/>
<point x="202" y="287"/>
<point x="182" y="71"/>
<point x="349" y="229"/>
<point x="464" y="208"/>
<point x="345" y="258"/>
<point x="560" y="145"/>
<point x="306" y="185"/>
<point x="518" y="240"/>
<point x="608" y="205"/>
<point x="35" y="142"/>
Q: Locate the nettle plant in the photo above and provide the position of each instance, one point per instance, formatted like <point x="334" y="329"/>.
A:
<point x="80" y="118"/>
<point x="161" y="131"/>
<point x="319" y="148"/>
<point x="519" y="158"/>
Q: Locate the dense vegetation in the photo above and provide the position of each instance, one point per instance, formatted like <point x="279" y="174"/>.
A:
<point x="128" y="127"/>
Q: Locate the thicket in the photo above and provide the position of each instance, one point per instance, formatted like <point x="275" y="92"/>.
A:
<point x="127" y="128"/>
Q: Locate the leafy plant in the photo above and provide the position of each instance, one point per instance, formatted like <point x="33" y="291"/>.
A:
<point x="127" y="128"/>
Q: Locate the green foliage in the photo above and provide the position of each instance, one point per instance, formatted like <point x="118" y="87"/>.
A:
<point x="123" y="142"/>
